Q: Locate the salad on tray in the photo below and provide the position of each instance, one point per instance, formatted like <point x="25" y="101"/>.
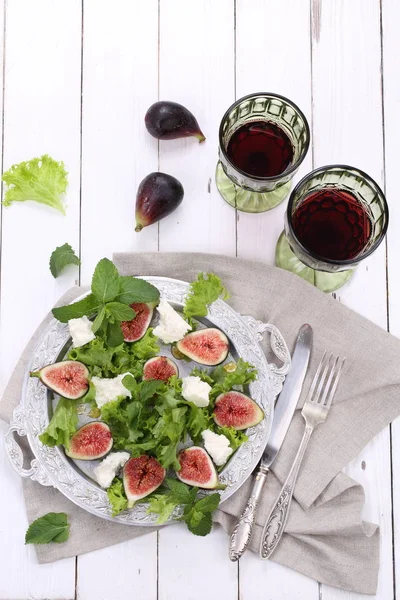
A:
<point x="158" y="437"/>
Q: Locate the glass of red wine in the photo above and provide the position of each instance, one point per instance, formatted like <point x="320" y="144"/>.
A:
<point x="336" y="216"/>
<point x="263" y="139"/>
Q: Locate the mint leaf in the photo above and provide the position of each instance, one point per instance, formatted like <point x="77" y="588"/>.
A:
<point x="105" y="281"/>
<point x="41" y="179"/>
<point x="97" y="323"/>
<point x="87" y="306"/>
<point x="61" y="257"/>
<point x="208" y="504"/>
<point x="180" y="491"/>
<point x="132" y="289"/>
<point x="52" y="527"/>
<point x="149" y="388"/>
<point x="114" y="334"/>
<point x="121" y="312"/>
<point x="199" y="523"/>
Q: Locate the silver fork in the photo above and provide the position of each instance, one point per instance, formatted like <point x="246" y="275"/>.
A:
<point x="315" y="411"/>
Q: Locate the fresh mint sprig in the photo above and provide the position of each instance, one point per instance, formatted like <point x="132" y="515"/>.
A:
<point x="111" y="295"/>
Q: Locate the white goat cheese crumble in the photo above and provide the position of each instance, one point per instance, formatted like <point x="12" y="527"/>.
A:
<point x="171" y="327"/>
<point x="81" y="331"/>
<point x="217" y="446"/>
<point x="107" y="469"/>
<point x="195" y="390"/>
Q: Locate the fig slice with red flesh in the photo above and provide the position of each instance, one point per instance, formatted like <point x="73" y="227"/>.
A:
<point x="141" y="476"/>
<point x="197" y="468"/>
<point x="159" y="367"/>
<point x="207" y="346"/>
<point x="69" y="378"/>
<point x="135" y="329"/>
<point x="234" y="409"/>
<point x="90" y="442"/>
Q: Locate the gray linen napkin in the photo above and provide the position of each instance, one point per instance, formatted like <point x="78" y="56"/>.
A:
<point x="325" y="537"/>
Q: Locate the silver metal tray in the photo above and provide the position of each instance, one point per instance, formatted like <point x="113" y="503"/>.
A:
<point x="51" y="466"/>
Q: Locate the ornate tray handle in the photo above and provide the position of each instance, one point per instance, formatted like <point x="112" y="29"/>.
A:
<point x="278" y="344"/>
<point x="15" y="454"/>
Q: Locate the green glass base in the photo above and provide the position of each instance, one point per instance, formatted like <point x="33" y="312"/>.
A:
<point x="326" y="282"/>
<point x="252" y="202"/>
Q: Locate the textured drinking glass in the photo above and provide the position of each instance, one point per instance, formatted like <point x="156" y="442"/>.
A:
<point x="325" y="273"/>
<point x="251" y="193"/>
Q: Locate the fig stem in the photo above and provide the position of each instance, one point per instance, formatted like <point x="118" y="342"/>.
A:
<point x="220" y="486"/>
<point x="138" y="227"/>
<point x="200" y="137"/>
<point x="34" y="374"/>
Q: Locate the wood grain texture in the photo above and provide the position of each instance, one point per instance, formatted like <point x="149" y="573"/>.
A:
<point x="347" y="117"/>
<point x="120" y="80"/>
<point x="41" y="115"/>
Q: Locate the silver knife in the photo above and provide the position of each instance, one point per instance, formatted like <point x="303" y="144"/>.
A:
<point x="284" y="409"/>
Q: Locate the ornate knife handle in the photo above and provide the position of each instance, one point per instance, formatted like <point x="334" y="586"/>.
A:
<point x="15" y="453"/>
<point x="243" y="530"/>
<point x="277" y="519"/>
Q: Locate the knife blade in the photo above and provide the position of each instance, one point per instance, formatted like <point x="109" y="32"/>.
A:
<point x="284" y="409"/>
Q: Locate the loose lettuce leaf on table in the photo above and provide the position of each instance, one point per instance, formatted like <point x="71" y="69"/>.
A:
<point x="42" y="180"/>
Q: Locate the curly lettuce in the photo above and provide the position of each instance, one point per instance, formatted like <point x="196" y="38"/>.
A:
<point x="62" y="425"/>
<point x="116" y="497"/>
<point x="42" y="180"/>
<point x="205" y="290"/>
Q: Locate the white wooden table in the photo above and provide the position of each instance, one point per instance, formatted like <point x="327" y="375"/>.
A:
<point x="78" y="78"/>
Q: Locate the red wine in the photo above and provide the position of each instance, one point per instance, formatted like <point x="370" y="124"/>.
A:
<point x="333" y="224"/>
<point x="260" y="148"/>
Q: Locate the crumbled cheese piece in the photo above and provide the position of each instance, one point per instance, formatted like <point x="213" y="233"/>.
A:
<point x="195" y="390"/>
<point x="171" y="327"/>
<point x="107" y="469"/>
<point x="81" y="331"/>
<point x="109" y="389"/>
<point x="217" y="446"/>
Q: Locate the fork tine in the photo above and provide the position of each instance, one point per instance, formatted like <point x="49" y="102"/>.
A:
<point x="328" y="384"/>
<point x="335" y="384"/>
<point x="317" y="396"/>
<point x="315" y="380"/>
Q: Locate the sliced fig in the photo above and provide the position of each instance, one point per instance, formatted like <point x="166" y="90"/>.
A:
<point x="158" y="195"/>
<point x="234" y="409"/>
<point x="90" y="442"/>
<point x="206" y="346"/>
<point x="159" y="367"/>
<point x="197" y="468"/>
<point x="135" y="329"/>
<point x="69" y="378"/>
<point x="141" y="475"/>
<point x="170" y="120"/>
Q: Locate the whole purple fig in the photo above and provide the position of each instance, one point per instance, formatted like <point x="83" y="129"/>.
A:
<point x="157" y="197"/>
<point x="170" y="120"/>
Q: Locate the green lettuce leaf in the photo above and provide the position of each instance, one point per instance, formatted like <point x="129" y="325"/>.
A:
<point x="62" y="425"/>
<point x="145" y="348"/>
<point x="52" y="527"/>
<point x="41" y="179"/>
<point x="224" y="381"/>
<point x="116" y="497"/>
<point x="204" y="291"/>
<point x="62" y="257"/>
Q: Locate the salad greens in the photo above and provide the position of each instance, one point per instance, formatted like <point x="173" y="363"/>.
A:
<point x="41" y="179"/>
<point x="62" y="257"/>
<point x="153" y="417"/>
<point x="196" y="512"/>
<point x="52" y="527"/>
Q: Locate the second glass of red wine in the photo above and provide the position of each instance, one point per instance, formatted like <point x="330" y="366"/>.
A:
<point x="263" y="139"/>
<point x="336" y="217"/>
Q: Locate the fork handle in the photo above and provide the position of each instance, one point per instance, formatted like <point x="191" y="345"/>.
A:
<point x="276" y="521"/>
<point x="241" y="535"/>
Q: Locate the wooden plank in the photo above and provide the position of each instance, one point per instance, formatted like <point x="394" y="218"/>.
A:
<point x="391" y="88"/>
<point x="119" y="83"/>
<point x="128" y="570"/>
<point x="264" y="62"/>
<point x="347" y="116"/>
<point x="120" y="80"/>
<point x="197" y="70"/>
<point x="42" y="115"/>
